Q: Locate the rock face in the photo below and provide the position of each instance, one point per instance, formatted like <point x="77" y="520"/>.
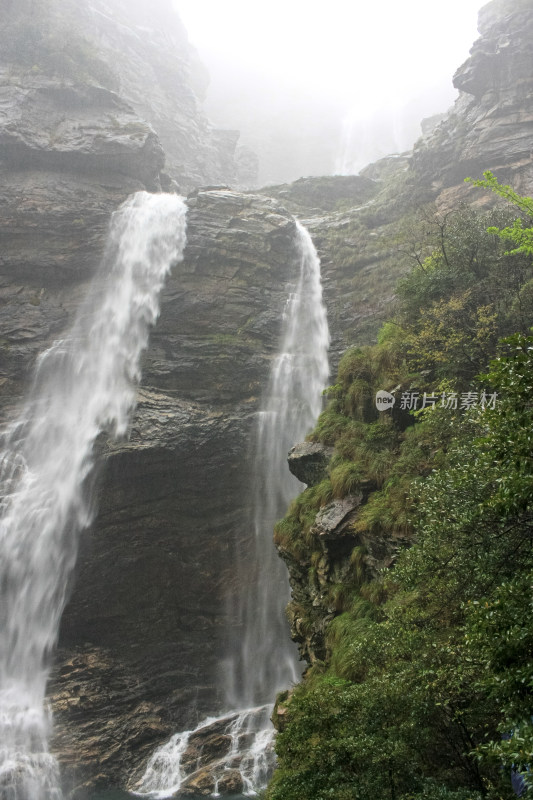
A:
<point x="114" y="80"/>
<point x="490" y="126"/>
<point x="76" y="128"/>
<point x="156" y="568"/>
<point x="218" y="757"/>
<point x="363" y="230"/>
<point x="144" y="632"/>
<point x="145" y="628"/>
<point x="163" y="79"/>
<point x="308" y="462"/>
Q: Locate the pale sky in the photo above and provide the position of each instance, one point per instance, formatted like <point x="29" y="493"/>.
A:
<point x="369" y="55"/>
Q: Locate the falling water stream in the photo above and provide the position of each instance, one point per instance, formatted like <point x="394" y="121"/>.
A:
<point x="83" y="385"/>
<point x="268" y="661"/>
<point x="265" y="661"/>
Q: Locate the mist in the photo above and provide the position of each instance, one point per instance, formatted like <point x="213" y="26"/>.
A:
<point x="327" y="88"/>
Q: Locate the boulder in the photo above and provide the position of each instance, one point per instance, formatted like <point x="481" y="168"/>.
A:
<point x="309" y="461"/>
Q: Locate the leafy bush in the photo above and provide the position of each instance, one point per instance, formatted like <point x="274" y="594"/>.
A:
<point x="428" y="687"/>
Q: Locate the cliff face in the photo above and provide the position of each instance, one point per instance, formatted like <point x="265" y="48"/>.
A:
<point x="368" y="233"/>
<point x="144" y="633"/>
<point x="162" y="78"/>
<point x="145" y="629"/>
<point x="61" y="55"/>
<point x="490" y="125"/>
<point x="145" y="625"/>
<point x="366" y="247"/>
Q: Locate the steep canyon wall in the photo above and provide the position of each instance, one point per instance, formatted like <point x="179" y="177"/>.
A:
<point x="146" y="623"/>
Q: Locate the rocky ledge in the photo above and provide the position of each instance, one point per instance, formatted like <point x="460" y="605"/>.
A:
<point x="309" y="461"/>
<point x="74" y="127"/>
<point x="229" y="755"/>
<point x="333" y="551"/>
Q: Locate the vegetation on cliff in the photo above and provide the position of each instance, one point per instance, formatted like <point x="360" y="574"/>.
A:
<point x="426" y="688"/>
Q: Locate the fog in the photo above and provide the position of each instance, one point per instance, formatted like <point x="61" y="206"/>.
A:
<point x="320" y="88"/>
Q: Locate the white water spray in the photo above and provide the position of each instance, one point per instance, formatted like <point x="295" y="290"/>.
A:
<point x="249" y="752"/>
<point x="265" y="660"/>
<point x="84" y="384"/>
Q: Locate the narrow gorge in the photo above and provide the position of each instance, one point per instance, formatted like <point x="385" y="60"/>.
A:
<point x="144" y="634"/>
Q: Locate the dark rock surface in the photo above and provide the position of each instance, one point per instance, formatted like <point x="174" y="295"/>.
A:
<point x="75" y="128"/>
<point x="308" y="462"/>
<point x="145" y="626"/>
<point x="156" y="568"/>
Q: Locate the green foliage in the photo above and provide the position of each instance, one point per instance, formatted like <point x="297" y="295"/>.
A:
<point x="520" y="236"/>
<point x="499" y="630"/>
<point x="430" y="664"/>
<point x="457" y="303"/>
<point x="438" y="671"/>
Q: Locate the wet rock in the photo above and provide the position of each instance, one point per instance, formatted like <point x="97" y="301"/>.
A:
<point x="490" y="125"/>
<point x="206" y="781"/>
<point x="162" y="79"/>
<point x="309" y="461"/>
<point x="207" y="746"/>
<point x="333" y="519"/>
<point x="173" y="500"/>
<point x="77" y="128"/>
<point x="201" y="784"/>
<point x="230" y="782"/>
<point x="281" y="708"/>
<point x="315" y="195"/>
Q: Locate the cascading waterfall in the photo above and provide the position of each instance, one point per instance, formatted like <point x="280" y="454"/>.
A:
<point x="265" y="661"/>
<point x="84" y="384"/>
<point x="268" y="660"/>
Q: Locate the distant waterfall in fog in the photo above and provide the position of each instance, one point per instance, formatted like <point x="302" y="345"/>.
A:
<point x="265" y="660"/>
<point x="84" y="384"/>
<point x="364" y="140"/>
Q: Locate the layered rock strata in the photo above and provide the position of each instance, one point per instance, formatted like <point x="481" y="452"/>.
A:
<point x="143" y="636"/>
<point x="134" y="65"/>
<point x="146" y="622"/>
<point x="490" y="125"/>
<point x="144" y="633"/>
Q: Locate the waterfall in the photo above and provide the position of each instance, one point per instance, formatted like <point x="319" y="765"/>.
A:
<point x="265" y="660"/>
<point x="83" y="385"/>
